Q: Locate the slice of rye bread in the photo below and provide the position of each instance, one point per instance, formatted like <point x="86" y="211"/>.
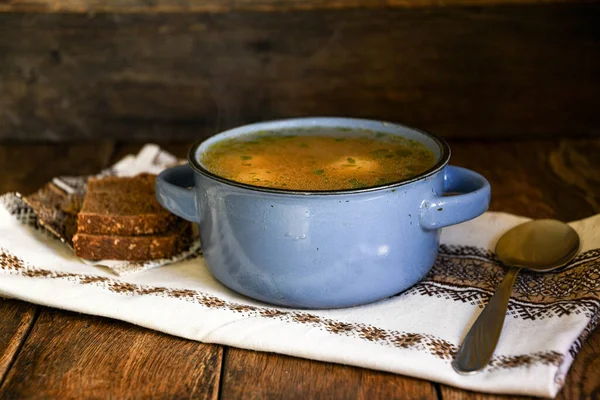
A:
<point x="123" y="206"/>
<point x="56" y="210"/>
<point x="133" y="248"/>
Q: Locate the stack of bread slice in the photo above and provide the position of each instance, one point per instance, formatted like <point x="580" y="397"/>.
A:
<point x="121" y="220"/>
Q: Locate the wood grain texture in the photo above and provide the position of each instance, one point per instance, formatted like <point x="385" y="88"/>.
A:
<point x="216" y="6"/>
<point x="578" y="165"/>
<point x="72" y="356"/>
<point x="583" y="381"/>
<point x="498" y="71"/>
<point x="257" y="375"/>
<point x="27" y="168"/>
<point x="537" y="178"/>
<point x="16" y="318"/>
<point x="451" y="393"/>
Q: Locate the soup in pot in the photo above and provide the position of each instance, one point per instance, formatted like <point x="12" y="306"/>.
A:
<point x="317" y="159"/>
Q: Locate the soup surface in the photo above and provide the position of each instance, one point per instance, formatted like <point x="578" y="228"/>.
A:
<point x="317" y="159"/>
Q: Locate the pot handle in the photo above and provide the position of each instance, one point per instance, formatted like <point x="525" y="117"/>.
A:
<point x="175" y="191"/>
<point x="443" y="211"/>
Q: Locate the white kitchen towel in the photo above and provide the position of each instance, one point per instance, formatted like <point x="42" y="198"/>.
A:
<point x="414" y="333"/>
<point x="56" y="206"/>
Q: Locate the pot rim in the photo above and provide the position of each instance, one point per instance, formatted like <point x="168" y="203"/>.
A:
<point x="438" y="166"/>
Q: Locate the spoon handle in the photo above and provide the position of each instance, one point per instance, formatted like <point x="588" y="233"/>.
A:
<point x="479" y="344"/>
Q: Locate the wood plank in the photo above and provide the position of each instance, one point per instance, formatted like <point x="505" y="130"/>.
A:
<point x="583" y="381"/>
<point x="172" y="6"/>
<point x="257" y="375"/>
<point x="72" y="356"/>
<point x="17" y="319"/>
<point x="468" y="72"/>
<point x="451" y="393"/>
<point x="26" y="168"/>
<point x="537" y="178"/>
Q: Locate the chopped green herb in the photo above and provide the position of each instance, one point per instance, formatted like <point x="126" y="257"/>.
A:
<point x="319" y="171"/>
<point x="340" y="139"/>
<point x="246" y="157"/>
<point x="303" y="145"/>
<point x="381" y="181"/>
<point x="380" y="135"/>
<point x="356" y="183"/>
<point x="403" y="153"/>
<point x="247" y="165"/>
<point x="351" y="160"/>
<point x="382" y="153"/>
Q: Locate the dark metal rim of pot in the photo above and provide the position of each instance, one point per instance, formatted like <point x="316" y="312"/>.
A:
<point x="438" y="166"/>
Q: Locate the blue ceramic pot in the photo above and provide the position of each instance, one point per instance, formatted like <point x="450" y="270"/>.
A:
<point x="322" y="249"/>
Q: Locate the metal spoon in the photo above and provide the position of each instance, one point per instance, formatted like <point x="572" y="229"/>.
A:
<point x="540" y="246"/>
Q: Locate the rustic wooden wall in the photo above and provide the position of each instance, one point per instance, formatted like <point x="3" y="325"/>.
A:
<point x="463" y="69"/>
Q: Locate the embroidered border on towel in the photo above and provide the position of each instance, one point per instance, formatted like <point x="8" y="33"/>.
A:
<point x="433" y="345"/>
<point x="470" y="275"/>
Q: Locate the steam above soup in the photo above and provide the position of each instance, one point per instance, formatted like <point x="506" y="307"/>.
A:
<point x="317" y="159"/>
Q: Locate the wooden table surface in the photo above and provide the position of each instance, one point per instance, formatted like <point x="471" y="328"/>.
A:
<point x="48" y="353"/>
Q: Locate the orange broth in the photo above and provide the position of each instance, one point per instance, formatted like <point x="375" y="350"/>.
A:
<point x="333" y="159"/>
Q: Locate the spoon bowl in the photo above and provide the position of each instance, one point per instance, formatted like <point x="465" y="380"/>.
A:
<point x="542" y="246"/>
